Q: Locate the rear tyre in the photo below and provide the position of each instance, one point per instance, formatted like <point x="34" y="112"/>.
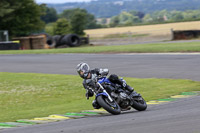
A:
<point x="111" y="107"/>
<point x="139" y="103"/>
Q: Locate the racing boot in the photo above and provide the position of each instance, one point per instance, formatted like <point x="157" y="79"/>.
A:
<point x="131" y="93"/>
<point x="130" y="89"/>
<point x="134" y="94"/>
<point x="125" y="86"/>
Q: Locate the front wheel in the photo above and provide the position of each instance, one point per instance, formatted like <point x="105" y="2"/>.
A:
<point x="111" y="107"/>
<point x="139" y="103"/>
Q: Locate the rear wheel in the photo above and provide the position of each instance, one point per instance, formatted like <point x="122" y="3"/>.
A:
<point x="139" y="103"/>
<point x="111" y="107"/>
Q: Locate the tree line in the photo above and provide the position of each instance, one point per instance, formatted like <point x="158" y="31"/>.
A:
<point x="71" y="21"/>
<point x="134" y="17"/>
<point x="109" y="8"/>
<point x="25" y="17"/>
<point x="20" y="17"/>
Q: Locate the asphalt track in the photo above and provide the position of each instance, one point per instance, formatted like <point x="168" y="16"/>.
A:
<point x="181" y="116"/>
<point x="175" y="66"/>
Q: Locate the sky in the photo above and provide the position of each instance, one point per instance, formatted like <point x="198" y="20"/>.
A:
<point x="60" y="1"/>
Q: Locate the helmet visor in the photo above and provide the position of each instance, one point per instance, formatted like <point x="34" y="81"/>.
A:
<point x="83" y="70"/>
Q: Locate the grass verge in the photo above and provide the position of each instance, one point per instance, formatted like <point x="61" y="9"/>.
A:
<point x="28" y="95"/>
<point x="144" y="48"/>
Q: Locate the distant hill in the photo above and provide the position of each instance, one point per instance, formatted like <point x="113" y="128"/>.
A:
<point x="109" y="8"/>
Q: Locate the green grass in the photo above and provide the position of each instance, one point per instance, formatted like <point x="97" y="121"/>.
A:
<point x="140" y="48"/>
<point x="27" y="95"/>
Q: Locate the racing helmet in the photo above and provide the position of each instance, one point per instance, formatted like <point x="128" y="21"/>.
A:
<point x="83" y="70"/>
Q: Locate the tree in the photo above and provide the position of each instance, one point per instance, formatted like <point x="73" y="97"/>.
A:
<point x="20" y="17"/>
<point x="191" y="15"/>
<point x="62" y="27"/>
<point x="5" y="8"/>
<point x="49" y="14"/>
<point x="124" y="19"/>
<point x="160" y="16"/>
<point x="114" y="21"/>
<point x="78" y="22"/>
<point x="69" y="13"/>
<point x="103" y="21"/>
<point x="176" y="15"/>
<point x="90" y="21"/>
<point x="147" y="18"/>
<point x="136" y="13"/>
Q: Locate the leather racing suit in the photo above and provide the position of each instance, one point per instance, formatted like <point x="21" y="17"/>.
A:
<point x="90" y="82"/>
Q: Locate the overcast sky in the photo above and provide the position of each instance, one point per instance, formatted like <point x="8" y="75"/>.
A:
<point x="60" y="1"/>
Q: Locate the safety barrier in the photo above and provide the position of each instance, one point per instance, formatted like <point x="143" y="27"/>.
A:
<point x="9" y="46"/>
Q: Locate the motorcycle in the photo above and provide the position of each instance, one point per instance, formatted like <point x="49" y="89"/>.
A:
<point x="115" y="102"/>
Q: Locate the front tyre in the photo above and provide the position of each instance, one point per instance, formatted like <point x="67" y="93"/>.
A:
<point x="111" y="107"/>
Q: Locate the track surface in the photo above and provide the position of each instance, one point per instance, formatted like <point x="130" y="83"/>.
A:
<point x="181" y="116"/>
<point x="183" y="66"/>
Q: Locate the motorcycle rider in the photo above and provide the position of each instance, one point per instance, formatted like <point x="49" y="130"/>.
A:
<point x="90" y="77"/>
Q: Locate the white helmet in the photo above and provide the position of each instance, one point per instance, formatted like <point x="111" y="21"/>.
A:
<point x="83" y="70"/>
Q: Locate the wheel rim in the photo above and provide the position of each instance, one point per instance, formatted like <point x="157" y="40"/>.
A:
<point x="140" y="100"/>
<point x="111" y="104"/>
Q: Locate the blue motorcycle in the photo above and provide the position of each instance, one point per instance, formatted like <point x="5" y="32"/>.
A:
<point x="116" y="101"/>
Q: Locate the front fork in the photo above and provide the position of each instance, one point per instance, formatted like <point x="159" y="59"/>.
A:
<point x="105" y="92"/>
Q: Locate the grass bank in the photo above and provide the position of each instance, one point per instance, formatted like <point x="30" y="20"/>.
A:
<point x="140" y="48"/>
<point x="27" y="95"/>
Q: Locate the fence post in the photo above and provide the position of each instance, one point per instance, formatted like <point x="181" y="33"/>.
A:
<point x="172" y="34"/>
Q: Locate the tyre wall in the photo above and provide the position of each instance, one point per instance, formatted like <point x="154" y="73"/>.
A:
<point x="9" y="46"/>
<point x="70" y="40"/>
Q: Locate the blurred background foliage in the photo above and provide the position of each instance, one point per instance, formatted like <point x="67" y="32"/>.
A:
<point x="25" y="17"/>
